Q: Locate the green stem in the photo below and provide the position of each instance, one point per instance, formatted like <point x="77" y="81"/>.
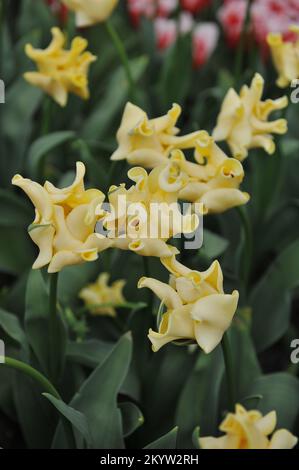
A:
<point x="118" y="44"/>
<point x="228" y="361"/>
<point x="247" y="250"/>
<point x="45" y="385"/>
<point x="241" y="46"/>
<point x="52" y="321"/>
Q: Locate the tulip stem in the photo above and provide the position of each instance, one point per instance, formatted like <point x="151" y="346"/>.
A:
<point x="246" y="253"/>
<point x="228" y="361"/>
<point x="118" y="44"/>
<point x="52" y="320"/>
<point x="45" y="385"/>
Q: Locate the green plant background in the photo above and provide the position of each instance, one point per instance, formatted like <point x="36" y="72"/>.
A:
<point x="113" y="389"/>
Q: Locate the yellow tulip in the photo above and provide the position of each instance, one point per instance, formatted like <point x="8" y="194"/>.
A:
<point x="64" y="223"/>
<point x="243" y="120"/>
<point x="250" y="430"/>
<point x="214" y="179"/>
<point x="100" y="292"/>
<point x="148" y="142"/>
<point x="61" y="71"/>
<point x="147" y="214"/>
<point x="196" y="306"/>
<point x="89" y="12"/>
<point x="285" y="56"/>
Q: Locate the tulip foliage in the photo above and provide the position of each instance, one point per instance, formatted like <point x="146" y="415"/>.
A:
<point x="149" y="241"/>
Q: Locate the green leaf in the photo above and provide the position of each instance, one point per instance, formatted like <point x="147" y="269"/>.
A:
<point x="97" y="399"/>
<point x="17" y="253"/>
<point x="35" y="415"/>
<point x="245" y="361"/>
<point x="37" y="325"/>
<point x="213" y="245"/>
<point x="90" y="353"/>
<point x="132" y="417"/>
<point x="12" y="327"/>
<point x="195" y="437"/>
<point x="280" y="392"/>
<point x="202" y="389"/>
<point x="271" y="298"/>
<point x="168" y="441"/>
<point x="14" y="212"/>
<point x="77" y="419"/>
<point x="42" y="146"/>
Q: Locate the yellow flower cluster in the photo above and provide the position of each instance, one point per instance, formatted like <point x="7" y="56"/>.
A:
<point x="196" y="306"/>
<point x="250" y="430"/>
<point x="147" y="214"/>
<point x="243" y="120"/>
<point x="213" y="178"/>
<point x="285" y="57"/>
<point x="63" y="228"/>
<point x="100" y="298"/>
<point x="61" y="71"/>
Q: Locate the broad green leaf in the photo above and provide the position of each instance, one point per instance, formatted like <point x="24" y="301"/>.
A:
<point x="17" y="252"/>
<point x="168" y="441"/>
<point x="12" y="327"/>
<point x="77" y="419"/>
<point x="90" y="353"/>
<point x="213" y="245"/>
<point x="246" y="365"/>
<point x="42" y="146"/>
<point x="132" y="417"/>
<point x="271" y="298"/>
<point x="280" y="392"/>
<point x="36" y="416"/>
<point x="195" y="437"/>
<point x="37" y="325"/>
<point x="14" y="212"/>
<point x="97" y="399"/>
<point x="199" y="401"/>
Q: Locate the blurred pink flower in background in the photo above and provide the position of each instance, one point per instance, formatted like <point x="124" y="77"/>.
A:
<point x="58" y="9"/>
<point x="205" y="39"/>
<point x="231" y="16"/>
<point x="194" y="6"/>
<point x="166" y="32"/>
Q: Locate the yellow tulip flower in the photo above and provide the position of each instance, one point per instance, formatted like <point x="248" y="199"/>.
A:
<point x="250" y="430"/>
<point x="148" y="142"/>
<point x="64" y="223"/>
<point x="61" y="71"/>
<point x="243" y="120"/>
<point x="145" y="216"/>
<point x="99" y="293"/>
<point x="89" y="12"/>
<point x="196" y="306"/>
<point x="214" y="179"/>
<point x="285" y="56"/>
